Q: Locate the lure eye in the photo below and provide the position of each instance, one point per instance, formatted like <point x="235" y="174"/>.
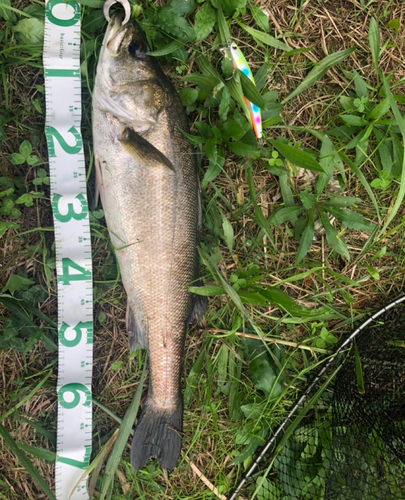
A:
<point x="233" y="46"/>
<point x="137" y="49"/>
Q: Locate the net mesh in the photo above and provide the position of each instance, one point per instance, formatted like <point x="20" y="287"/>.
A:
<point x="350" y="445"/>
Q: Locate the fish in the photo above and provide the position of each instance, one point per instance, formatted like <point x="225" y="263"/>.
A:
<point x="147" y="177"/>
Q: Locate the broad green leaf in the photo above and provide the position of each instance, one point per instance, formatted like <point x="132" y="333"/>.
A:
<point x="223" y="30"/>
<point x="26" y="463"/>
<point x="205" y="82"/>
<point x="30" y="31"/>
<point x="353" y="120"/>
<point x="398" y="154"/>
<point x="360" y="84"/>
<point x="350" y="219"/>
<point x="182" y="7"/>
<point x="285" y="214"/>
<point x="327" y="162"/>
<point x="206" y="68"/>
<point x="242" y="149"/>
<point x="17" y="158"/>
<point x="214" y="169"/>
<point x="261" y="76"/>
<point x="210" y="148"/>
<point x="25" y="149"/>
<point x="175" y="25"/>
<point x="374" y="41"/>
<point x="204" y="21"/>
<point x="235" y="89"/>
<point x="379" y="110"/>
<point x="193" y="139"/>
<point x="15" y="282"/>
<point x="265" y="38"/>
<point x="207" y="290"/>
<point x="260" y="18"/>
<point x="224" y="104"/>
<point x="333" y="238"/>
<point x="308" y="199"/>
<point x="263" y="376"/>
<point x="253" y="299"/>
<point x="6" y="13"/>
<point x="306" y="240"/>
<point x="188" y="96"/>
<point x="204" y="129"/>
<point x="318" y="71"/>
<point x="228" y="233"/>
<point x="342" y="201"/>
<point x="169" y="49"/>
<point x="272" y="121"/>
<point x="229" y="6"/>
<point x="296" y="156"/>
<point x="232" y="130"/>
<point x="394" y="24"/>
<point x="250" y="91"/>
<point x="373" y="273"/>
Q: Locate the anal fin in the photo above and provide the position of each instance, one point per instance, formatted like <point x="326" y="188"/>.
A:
<point x="136" y="336"/>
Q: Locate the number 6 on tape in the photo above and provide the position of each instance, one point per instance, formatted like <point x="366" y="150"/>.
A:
<point x="72" y="243"/>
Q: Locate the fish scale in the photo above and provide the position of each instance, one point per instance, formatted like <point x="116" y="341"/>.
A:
<point x="149" y="187"/>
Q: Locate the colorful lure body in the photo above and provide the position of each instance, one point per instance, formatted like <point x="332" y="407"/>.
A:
<point x="239" y="62"/>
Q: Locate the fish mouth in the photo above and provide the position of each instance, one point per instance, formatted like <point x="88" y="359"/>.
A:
<point x="119" y="38"/>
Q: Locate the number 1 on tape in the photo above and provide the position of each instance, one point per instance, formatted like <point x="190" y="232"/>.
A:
<point x="73" y="250"/>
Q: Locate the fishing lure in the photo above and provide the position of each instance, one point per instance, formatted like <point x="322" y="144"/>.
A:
<point x="239" y="62"/>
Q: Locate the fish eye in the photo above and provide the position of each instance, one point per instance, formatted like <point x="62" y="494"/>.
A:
<point x="137" y="49"/>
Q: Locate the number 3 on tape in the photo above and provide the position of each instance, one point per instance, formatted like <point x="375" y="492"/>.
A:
<point x="72" y="243"/>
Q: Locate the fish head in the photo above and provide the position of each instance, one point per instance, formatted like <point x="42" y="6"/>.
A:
<point x="128" y="82"/>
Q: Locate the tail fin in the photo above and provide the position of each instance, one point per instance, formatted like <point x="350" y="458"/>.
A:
<point x="158" y="433"/>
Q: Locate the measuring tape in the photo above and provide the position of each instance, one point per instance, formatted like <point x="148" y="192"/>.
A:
<point x="73" y="246"/>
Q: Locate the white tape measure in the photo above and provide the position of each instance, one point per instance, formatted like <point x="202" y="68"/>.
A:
<point x="73" y="247"/>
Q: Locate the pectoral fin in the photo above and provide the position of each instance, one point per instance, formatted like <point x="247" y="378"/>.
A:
<point x="141" y="149"/>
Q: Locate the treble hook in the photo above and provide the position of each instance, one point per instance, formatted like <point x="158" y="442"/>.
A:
<point x="124" y="3"/>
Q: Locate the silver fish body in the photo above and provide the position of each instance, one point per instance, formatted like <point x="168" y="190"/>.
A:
<point x="148" y="183"/>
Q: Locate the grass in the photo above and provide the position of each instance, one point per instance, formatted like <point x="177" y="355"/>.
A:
<point x="290" y="257"/>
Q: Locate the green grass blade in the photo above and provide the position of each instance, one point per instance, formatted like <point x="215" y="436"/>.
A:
<point x="121" y="440"/>
<point x="296" y="156"/>
<point x="26" y="463"/>
<point x="41" y="453"/>
<point x="374" y="41"/>
<point x="223" y="30"/>
<point x="50" y="437"/>
<point x="318" y="71"/>
<point x="169" y="49"/>
<point x="355" y="169"/>
<point x="306" y="240"/>
<point x="27" y="397"/>
<point x="265" y="38"/>
<point x="250" y="91"/>
<point x="401" y="124"/>
<point x="260" y="219"/>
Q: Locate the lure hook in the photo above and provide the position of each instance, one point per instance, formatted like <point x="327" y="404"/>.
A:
<point x="124" y="3"/>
